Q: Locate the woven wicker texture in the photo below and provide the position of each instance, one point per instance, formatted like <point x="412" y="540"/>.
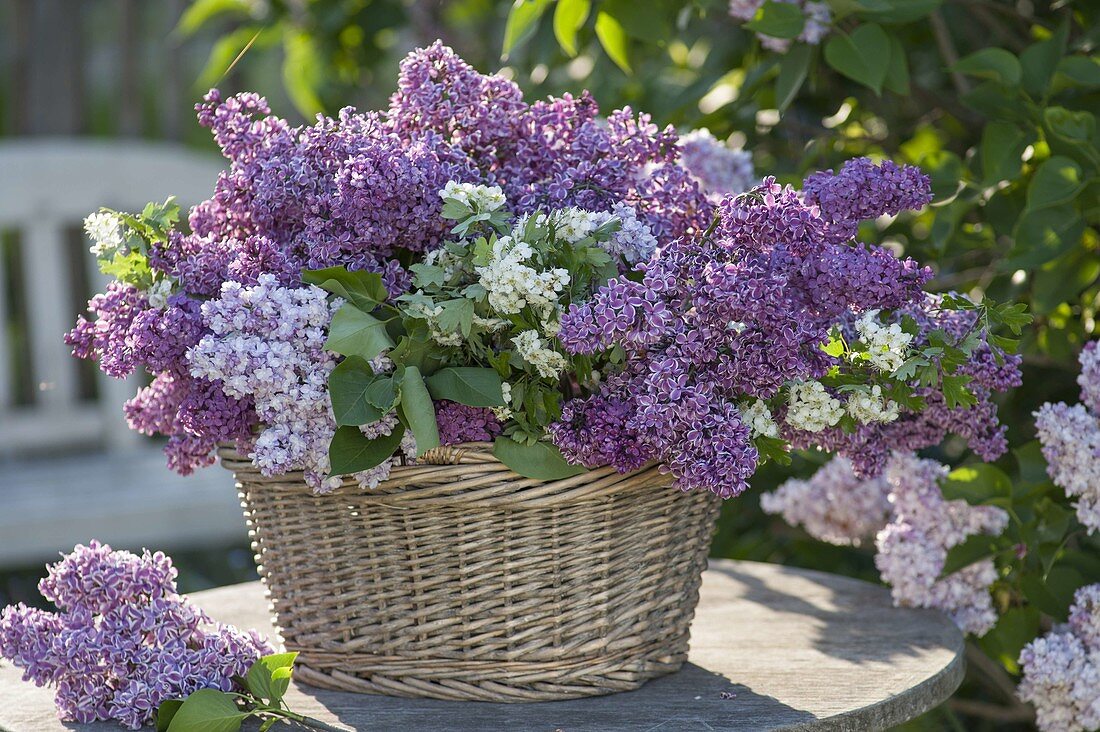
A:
<point x="459" y="579"/>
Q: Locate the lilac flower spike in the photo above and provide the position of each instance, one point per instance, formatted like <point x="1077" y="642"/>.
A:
<point x="123" y="639"/>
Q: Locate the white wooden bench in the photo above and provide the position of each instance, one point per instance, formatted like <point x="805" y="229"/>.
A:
<point x="65" y="450"/>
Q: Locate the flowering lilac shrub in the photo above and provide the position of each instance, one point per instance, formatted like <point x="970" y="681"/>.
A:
<point x="914" y="527"/>
<point x="1070" y="436"/>
<point x="123" y="639"/>
<point x="1061" y="670"/>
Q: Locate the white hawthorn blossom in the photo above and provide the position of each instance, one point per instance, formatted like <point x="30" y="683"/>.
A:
<point x="105" y="231"/>
<point x="812" y="408"/>
<point x="870" y="406"/>
<point x="887" y="345"/>
<point x="533" y="350"/>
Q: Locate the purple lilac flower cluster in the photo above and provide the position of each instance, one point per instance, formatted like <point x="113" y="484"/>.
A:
<point x="124" y="640"/>
<point x="1061" y="670"/>
<point x="359" y="190"/>
<point x="834" y="504"/>
<point x="817" y="20"/>
<point x="738" y="313"/>
<point x="1070" y="439"/>
<point x="912" y="548"/>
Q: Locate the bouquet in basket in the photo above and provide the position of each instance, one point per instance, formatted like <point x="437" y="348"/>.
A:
<point x="468" y="266"/>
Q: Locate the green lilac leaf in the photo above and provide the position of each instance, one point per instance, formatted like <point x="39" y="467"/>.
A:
<point x="363" y="289"/>
<point x="207" y="710"/>
<point x="974" y="549"/>
<point x="522" y="22"/>
<point x="417" y="408"/>
<point x="860" y="56"/>
<point x="778" y="20"/>
<point x="976" y="484"/>
<point x="541" y="461"/>
<point x="347" y="386"/>
<point x="166" y="711"/>
<point x="613" y="39"/>
<point x="262" y="681"/>
<point x="472" y="386"/>
<point x="793" y="69"/>
<point x="356" y="333"/>
<point x="995" y="64"/>
<point x="351" y="452"/>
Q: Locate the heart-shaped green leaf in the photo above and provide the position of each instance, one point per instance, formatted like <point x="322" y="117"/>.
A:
<point x="541" y="461"/>
<point x="351" y="452"/>
<point x="995" y="64"/>
<point x="863" y="56"/>
<point x="474" y="387"/>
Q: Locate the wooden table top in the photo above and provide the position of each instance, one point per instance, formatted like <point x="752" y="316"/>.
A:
<point x="772" y="647"/>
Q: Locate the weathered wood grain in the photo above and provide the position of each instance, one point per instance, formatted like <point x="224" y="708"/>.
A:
<point x="772" y="648"/>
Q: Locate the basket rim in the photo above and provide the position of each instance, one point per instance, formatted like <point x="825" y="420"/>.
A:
<point x="465" y="474"/>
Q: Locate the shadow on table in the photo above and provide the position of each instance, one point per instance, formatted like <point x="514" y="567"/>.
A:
<point x="693" y="699"/>
<point x="859" y="625"/>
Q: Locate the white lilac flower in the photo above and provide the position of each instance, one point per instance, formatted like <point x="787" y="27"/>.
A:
<point x="912" y="548"/>
<point x="105" y="231"/>
<point x="867" y="407"/>
<point x="887" y="345"/>
<point x="477" y="197"/>
<point x="812" y="408"/>
<point x="834" y="504"/>
<point x="758" y="418"/>
<point x="158" y="294"/>
<point x="533" y="350"/>
<point x="1070" y="439"/>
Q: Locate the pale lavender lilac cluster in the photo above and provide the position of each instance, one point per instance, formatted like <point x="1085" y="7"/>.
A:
<point x="834" y="504"/>
<point x="1070" y="439"/>
<point x="123" y="639"/>
<point x="361" y="190"/>
<point x="1061" y="670"/>
<point x="912" y="548"/>
<point x="718" y="168"/>
<point x="817" y="21"/>
<point x="732" y="315"/>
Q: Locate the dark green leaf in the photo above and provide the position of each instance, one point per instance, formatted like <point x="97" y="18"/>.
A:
<point x="569" y="17"/>
<point x="976" y="484"/>
<point x="1040" y="61"/>
<point x="1054" y="593"/>
<point x="792" y="74"/>
<point x="264" y="681"/>
<point x="613" y="39"/>
<point x="648" y="21"/>
<point x="995" y="64"/>
<point x="207" y="710"/>
<point x="897" y="76"/>
<point x="860" y="56"/>
<point x="955" y="391"/>
<point x="355" y="333"/>
<point x="364" y="289"/>
<point x="166" y="711"/>
<point x="974" y="549"/>
<point x="1043" y="235"/>
<point x="1015" y="628"/>
<point x="347" y="387"/>
<point x="351" y="452"/>
<point x="1002" y="147"/>
<point x="417" y="409"/>
<point x="895" y="11"/>
<point x="474" y="387"/>
<point x="1074" y="128"/>
<point x="522" y="22"/>
<point x="1078" y="71"/>
<point x="778" y="20"/>
<point x="773" y="449"/>
<point x="457" y="316"/>
<point x="997" y="101"/>
<point x="541" y="461"/>
<point x="1063" y="279"/>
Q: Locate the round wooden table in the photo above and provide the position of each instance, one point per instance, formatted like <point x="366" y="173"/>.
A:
<point x="772" y="647"/>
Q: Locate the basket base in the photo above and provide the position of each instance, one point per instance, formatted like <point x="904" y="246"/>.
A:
<point x="451" y="683"/>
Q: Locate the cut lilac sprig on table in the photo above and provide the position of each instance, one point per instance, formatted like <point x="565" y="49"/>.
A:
<point x="123" y="640"/>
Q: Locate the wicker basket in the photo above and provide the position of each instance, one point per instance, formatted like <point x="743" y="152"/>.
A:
<point x="459" y="579"/>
